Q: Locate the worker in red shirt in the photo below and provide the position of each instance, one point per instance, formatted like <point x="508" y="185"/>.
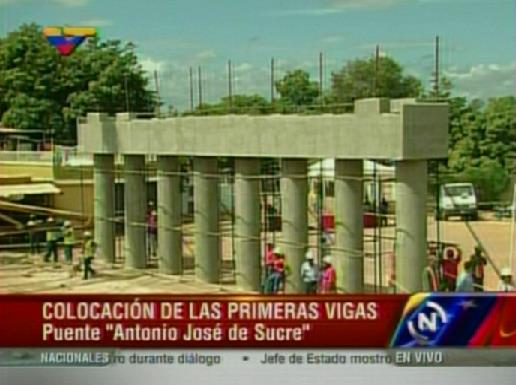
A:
<point x="278" y="273"/>
<point x="268" y="264"/>
<point x="328" y="279"/>
<point x="274" y="270"/>
<point x="270" y="252"/>
<point x="450" y="265"/>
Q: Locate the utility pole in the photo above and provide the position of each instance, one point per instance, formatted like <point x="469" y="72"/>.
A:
<point x="272" y="81"/>
<point x="376" y="69"/>
<point x="126" y="89"/>
<point x="158" y="98"/>
<point x="191" y="90"/>
<point x="436" y="74"/>
<point x="230" y="86"/>
<point x="200" y="88"/>
<point x="321" y="78"/>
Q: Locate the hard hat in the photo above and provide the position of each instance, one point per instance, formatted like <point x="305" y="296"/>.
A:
<point x="277" y="250"/>
<point x="67" y="223"/>
<point x="309" y="255"/>
<point x="87" y="234"/>
<point x="327" y="259"/>
<point x="506" y="272"/>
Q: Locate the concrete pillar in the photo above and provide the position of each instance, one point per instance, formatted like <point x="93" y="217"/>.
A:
<point x="247" y="223"/>
<point x="169" y="216"/>
<point x="411" y="190"/>
<point x="206" y="219"/>
<point x="294" y="218"/>
<point x="135" y="202"/>
<point x="349" y="225"/>
<point x="104" y="205"/>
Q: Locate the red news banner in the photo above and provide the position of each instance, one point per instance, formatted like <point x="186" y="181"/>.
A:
<point x="198" y="321"/>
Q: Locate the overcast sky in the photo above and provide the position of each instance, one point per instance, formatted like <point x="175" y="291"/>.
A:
<point x="478" y="37"/>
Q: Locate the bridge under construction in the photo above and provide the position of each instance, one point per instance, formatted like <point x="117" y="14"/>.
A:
<point x="403" y="131"/>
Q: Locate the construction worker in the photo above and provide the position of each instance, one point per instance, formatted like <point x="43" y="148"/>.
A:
<point x="465" y="279"/>
<point x="268" y="264"/>
<point x="271" y="254"/>
<point x="152" y="233"/>
<point x="431" y="276"/>
<point x="309" y="274"/>
<point x="326" y="241"/>
<point x="384" y="210"/>
<point x="89" y="249"/>
<point x="506" y="283"/>
<point x="68" y="240"/>
<point x="276" y="272"/>
<point x="450" y="266"/>
<point x="53" y="234"/>
<point x="328" y="278"/>
<point x="478" y="261"/>
<point x="31" y="227"/>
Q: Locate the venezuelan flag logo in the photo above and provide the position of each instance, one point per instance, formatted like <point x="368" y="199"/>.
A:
<point x="67" y="39"/>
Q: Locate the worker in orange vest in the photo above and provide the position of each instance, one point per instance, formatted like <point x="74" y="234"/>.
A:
<point x="431" y="274"/>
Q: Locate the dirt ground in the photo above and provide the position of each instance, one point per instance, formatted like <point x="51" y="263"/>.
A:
<point x="22" y="273"/>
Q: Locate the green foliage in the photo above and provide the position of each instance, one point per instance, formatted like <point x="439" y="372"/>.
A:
<point x="481" y="144"/>
<point x="356" y="79"/>
<point x="297" y="89"/>
<point x="487" y="175"/>
<point x="39" y="89"/>
<point x="239" y="104"/>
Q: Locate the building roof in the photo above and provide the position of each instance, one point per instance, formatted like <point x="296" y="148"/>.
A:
<point x="14" y="190"/>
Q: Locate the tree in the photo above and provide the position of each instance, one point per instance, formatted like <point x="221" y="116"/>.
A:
<point x="296" y="89"/>
<point x="239" y="104"/>
<point x="246" y="104"/>
<point x="481" y="144"/>
<point x="39" y="89"/>
<point x="499" y="140"/>
<point x="356" y="79"/>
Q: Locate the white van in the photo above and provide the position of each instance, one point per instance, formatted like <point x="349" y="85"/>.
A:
<point x="458" y="199"/>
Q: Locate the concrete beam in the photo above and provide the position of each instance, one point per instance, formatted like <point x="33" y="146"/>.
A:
<point x="170" y="246"/>
<point x="206" y="219"/>
<point x="104" y="205"/>
<point x="247" y="223"/>
<point x="135" y="202"/>
<point x="411" y="224"/>
<point x="294" y="219"/>
<point x="413" y="131"/>
<point x="349" y="225"/>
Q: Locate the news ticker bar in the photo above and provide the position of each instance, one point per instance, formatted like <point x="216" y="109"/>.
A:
<point x="244" y="321"/>
<point x="488" y="357"/>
